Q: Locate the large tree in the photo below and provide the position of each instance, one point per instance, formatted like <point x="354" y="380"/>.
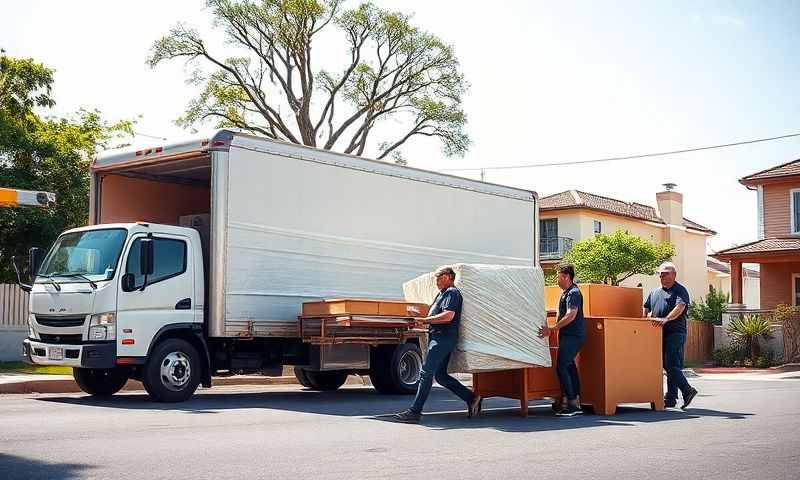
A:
<point x="614" y="258"/>
<point x="390" y="70"/>
<point x="50" y="154"/>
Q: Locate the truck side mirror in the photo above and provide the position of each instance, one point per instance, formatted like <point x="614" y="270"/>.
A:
<point x="146" y="257"/>
<point x="128" y="282"/>
<point x="24" y="286"/>
<point x="34" y="260"/>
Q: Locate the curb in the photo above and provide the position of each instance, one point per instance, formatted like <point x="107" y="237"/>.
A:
<point x="60" y="385"/>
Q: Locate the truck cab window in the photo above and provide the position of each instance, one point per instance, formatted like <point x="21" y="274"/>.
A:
<point x="169" y="260"/>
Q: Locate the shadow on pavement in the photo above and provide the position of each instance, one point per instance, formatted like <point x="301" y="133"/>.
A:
<point x="443" y="411"/>
<point x="14" y="467"/>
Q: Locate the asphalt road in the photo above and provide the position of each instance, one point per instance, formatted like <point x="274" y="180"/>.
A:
<point x="738" y="428"/>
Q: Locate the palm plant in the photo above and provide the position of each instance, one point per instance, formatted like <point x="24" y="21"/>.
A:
<point x="746" y="330"/>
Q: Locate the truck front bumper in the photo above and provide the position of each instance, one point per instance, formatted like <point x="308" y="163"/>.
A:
<point x="96" y="355"/>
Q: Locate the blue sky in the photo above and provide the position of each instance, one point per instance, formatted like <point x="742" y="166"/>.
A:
<point x="550" y="81"/>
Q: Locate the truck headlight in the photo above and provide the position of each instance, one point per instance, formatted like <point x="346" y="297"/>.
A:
<point x="103" y="326"/>
<point x="31" y="331"/>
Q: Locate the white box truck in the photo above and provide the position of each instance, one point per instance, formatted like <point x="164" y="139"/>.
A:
<point x="200" y="254"/>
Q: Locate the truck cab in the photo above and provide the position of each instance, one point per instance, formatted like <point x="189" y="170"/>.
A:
<point x="106" y="295"/>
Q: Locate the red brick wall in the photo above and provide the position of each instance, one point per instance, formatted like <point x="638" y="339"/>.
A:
<point x="776" y="283"/>
<point x="776" y="209"/>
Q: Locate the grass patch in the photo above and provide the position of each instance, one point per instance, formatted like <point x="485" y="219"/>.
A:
<point x="19" y="367"/>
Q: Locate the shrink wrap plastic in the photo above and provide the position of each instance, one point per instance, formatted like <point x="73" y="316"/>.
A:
<point x="502" y="311"/>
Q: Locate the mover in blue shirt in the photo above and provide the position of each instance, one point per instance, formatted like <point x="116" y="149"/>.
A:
<point x="443" y="318"/>
<point x="668" y="306"/>
<point x="571" y="337"/>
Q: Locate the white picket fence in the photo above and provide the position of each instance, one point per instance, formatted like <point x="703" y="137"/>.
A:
<point x="13" y="306"/>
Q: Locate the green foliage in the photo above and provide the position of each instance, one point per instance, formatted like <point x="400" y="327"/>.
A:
<point x="613" y="258"/>
<point x="43" y="154"/>
<point x="747" y="330"/>
<point x="736" y="355"/>
<point x="392" y="72"/>
<point x="551" y="277"/>
<point x="730" y="356"/>
<point x="710" y="308"/>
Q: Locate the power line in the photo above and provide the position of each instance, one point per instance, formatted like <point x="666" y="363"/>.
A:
<point x="627" y="157"/>
<point x="140" y="134"/>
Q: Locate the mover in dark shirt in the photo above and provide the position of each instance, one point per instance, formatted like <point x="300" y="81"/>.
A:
<point x="443" y="318"/>
<point x="571" y="337"/>
<point x="668" y="306"/>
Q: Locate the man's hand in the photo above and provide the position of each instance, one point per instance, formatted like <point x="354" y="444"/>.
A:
<point x="544" y="331"/>
<point x="419" y="322"/>
<point x="658" y="322"/>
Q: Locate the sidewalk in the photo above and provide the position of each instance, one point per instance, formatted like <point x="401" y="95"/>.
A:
<point x="33" y="383"/>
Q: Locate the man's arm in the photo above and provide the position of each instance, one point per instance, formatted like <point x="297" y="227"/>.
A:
<point x="568" y="317"/>
<point x="440" y="318"/>
<point x="673" y="315"/>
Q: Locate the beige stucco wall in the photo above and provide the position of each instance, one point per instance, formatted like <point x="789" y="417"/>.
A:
<point x="690" y="247"/>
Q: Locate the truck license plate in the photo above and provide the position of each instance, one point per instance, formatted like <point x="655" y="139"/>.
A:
<point x="55" y="353"/>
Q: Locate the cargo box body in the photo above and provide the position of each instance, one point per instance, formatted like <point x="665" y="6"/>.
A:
<point x="291" y="224"/>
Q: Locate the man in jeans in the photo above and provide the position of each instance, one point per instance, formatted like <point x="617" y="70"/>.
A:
<point x="443" y="318"/>
<point x="668" y="308"/>
<point x="571" y="337"/>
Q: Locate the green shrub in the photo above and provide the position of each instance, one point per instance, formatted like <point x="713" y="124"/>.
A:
<point x="710" y="308"/>
<point x="746" y="330"/>
<point x="730" y="356"/>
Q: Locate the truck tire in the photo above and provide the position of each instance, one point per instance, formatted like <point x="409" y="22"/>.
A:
<point x="100" y="382"/>
<point x="172" y="373"/>
<point x="326" y="381"/>
<point x="300" y="374"/>
<point x="396" y="371"/>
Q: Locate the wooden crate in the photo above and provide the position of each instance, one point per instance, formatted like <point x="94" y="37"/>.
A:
<point x="350" y="306"/>
<point x="602" y="300"/>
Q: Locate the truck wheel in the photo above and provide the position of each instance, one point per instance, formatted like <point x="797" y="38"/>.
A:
<point x="397" y="371"/>
<point x="300" y="374"/>
<point x="172" y="373"/>
<point x="100" y="382"/>
<point x="326" y="381"/>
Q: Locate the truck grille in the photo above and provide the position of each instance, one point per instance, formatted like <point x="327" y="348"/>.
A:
<point x="56" y="321"/>
<point x="61" y="339"/>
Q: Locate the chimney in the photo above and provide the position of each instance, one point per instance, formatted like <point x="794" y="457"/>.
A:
<point x="670" y="205"/>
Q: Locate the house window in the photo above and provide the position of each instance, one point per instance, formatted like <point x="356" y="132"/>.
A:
<point x="598" y="227"/>
<point x="794" y="208"/>
<point x="549" y="228"/>
<point x="796" y="289"/>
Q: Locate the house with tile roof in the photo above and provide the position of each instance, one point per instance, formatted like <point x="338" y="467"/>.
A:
<point x="573" y="215"/>
<point x="719" y="277"/>
<point x="777" y="249"/>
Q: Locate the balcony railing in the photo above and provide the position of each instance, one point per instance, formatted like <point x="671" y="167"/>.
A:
<point x="554" y="248"/>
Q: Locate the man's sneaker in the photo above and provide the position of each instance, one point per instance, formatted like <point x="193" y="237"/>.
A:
<point x="475" y="406"/>
<point x="687" y="399"/>
<point x="670" y="403"/>
<point x="407" y="416"/>
<point x="569" y="411"/>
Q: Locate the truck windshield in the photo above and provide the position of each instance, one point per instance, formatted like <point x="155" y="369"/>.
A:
<point x="91" y="254"/>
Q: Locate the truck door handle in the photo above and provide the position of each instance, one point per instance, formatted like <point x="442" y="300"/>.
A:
<point x="185" y="304"/>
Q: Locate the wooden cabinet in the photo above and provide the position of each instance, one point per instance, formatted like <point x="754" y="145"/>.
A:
<point x="621" y="363"/>
<point x="602" y="300"/>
